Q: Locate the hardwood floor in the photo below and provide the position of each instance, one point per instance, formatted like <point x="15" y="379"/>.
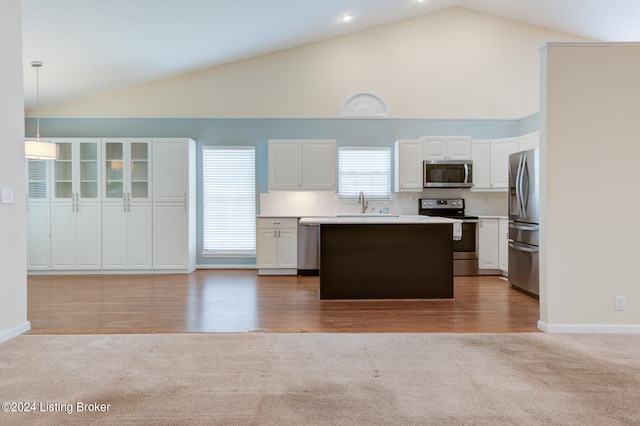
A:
<point x="241" y="301"/>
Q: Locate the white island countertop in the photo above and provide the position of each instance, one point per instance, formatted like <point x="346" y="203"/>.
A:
<point x="376" y="219"/>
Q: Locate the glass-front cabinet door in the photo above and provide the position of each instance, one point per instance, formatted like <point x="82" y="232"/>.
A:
<point x="114" y="170"/>
<point x="76" y="171"/>
<point x="63" y="189"/>
<point x="140" y="176"/>
<point x="127" y="170"/>
<point x="89" y="188"/>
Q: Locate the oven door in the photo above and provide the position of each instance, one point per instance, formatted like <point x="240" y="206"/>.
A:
<point x="467" y="246"/>
<point x="465" y="251"/>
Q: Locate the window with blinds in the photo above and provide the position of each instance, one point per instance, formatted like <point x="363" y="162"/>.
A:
<point x="229" y="200"/>
<point x="364" y="169"/>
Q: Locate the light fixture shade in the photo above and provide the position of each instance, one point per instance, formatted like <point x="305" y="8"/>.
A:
<point x="39" y="150"/>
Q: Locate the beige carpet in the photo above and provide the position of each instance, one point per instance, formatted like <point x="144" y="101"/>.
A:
<point x="322" y="379"/>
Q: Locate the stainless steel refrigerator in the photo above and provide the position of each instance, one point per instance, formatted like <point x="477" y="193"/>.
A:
<point x="524" y="220"/>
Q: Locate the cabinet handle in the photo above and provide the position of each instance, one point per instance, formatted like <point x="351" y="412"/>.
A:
<point x="275" y="234"/>
<point x="278" y="234"/>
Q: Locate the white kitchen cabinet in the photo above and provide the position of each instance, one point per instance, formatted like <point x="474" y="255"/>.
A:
<point x="529" y="141"/>
<point x="38" y="236"/>
<point x="127" y="236"/>
<point x="171" y="174"/>
<point x="481" y="156"/>
<point x="446" y="147"/>
<point x="171" y="238"/>
<point x="38" y="215"/>
<point x="488" y="248"/>
<point x="75" y="236"/>
<point x="75" y="220"/>
<point x="302" y="165"/>
<point x="500" y="151"/>
<point x="127" y="170"/>
<point x="277" y="246"/>
<point x="174" y="205"/>
<point x="93" y="209"/>
<point x="503" y="246"/>
<point x="408" y="165"/>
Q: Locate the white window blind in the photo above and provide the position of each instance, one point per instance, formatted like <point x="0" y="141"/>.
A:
<point x="364" y="169"/>
<point x="229" y="200"/>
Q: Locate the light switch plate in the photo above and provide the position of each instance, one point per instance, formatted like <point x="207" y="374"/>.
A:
<point x="7" y="195"/>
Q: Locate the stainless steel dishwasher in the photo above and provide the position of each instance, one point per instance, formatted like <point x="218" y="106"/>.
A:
<point x="308" y="249"/>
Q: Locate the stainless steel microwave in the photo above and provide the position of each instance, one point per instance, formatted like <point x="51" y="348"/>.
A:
<point x="447" y="173"/>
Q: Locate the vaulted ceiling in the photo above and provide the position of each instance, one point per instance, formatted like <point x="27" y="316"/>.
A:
<point x="94" y="46"/>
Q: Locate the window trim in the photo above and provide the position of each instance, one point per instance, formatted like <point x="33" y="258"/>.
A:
<point x="389" y="176"/>
<point x="228" y="253"/>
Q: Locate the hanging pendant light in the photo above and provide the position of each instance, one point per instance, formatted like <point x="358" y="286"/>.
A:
<point x="37" y="149"/>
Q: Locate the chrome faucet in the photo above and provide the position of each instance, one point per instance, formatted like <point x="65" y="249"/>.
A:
<point x="362" y="201"/>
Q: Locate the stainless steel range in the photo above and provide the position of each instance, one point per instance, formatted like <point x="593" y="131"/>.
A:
<point x="465" y="250"/>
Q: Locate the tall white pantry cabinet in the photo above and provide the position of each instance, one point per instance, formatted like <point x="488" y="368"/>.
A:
<point x="113" y="206"/>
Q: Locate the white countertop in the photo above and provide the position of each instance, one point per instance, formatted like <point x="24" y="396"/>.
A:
<point x="376" y="219"/>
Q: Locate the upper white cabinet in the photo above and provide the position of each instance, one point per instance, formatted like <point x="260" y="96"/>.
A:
<point x="127" y="169"/>
<point x="529" y="141"/>
<point x="302" y="165"/>
<point x="171" y="174"/>
<point x="500" y="151"/>
<point x="408" y="165"/>
<point x="481" y="156"/>
<point x="491" y="160"/>
<point x="446" y="147"/>
<point x="76" y="171"/>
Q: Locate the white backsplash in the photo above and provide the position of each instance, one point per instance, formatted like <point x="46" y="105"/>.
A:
<point x="324" y="203"/>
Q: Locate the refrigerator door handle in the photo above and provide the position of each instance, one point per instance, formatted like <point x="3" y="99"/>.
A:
<point x="521" y="171"/>
<point x="524" y="227"/>
<point x="520" y="247"/>
<point x="518" y="177"/>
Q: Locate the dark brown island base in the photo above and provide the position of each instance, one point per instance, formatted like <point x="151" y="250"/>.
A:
<point x="388" y="259"/>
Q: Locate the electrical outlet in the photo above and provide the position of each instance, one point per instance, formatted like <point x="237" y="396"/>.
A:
<point x="7" y="195"/>
<point x="621" y="303"/>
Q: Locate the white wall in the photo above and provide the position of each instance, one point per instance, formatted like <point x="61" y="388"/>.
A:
<point x="13" y="280"/>
<point x="590" y="145"/>
<point x="452" y="64"/>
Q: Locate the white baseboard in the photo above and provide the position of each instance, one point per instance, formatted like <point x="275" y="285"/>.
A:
<point x="589" y="328"/>
<point x="209" y="266"/>
<point x="15" y="331"/>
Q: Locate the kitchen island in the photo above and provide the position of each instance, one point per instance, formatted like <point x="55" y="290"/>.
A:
<point x="385" y="257"/>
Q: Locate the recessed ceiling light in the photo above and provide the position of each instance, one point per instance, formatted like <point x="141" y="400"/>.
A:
<point x="347" y="18"/>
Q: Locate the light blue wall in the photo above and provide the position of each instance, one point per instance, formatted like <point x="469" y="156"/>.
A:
<point x="256" y="132"/>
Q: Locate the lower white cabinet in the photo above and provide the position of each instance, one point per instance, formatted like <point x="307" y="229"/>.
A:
<point x="277" y="246"/>
<point x="126" y="236"/>
<point x="38" y="236"/>
<point x="75" y="236"/>
<point x="503" y="246"/>
<point x="493" y="248"/>
<point x="173" y="248"/>
<point x="488" y="255"/>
